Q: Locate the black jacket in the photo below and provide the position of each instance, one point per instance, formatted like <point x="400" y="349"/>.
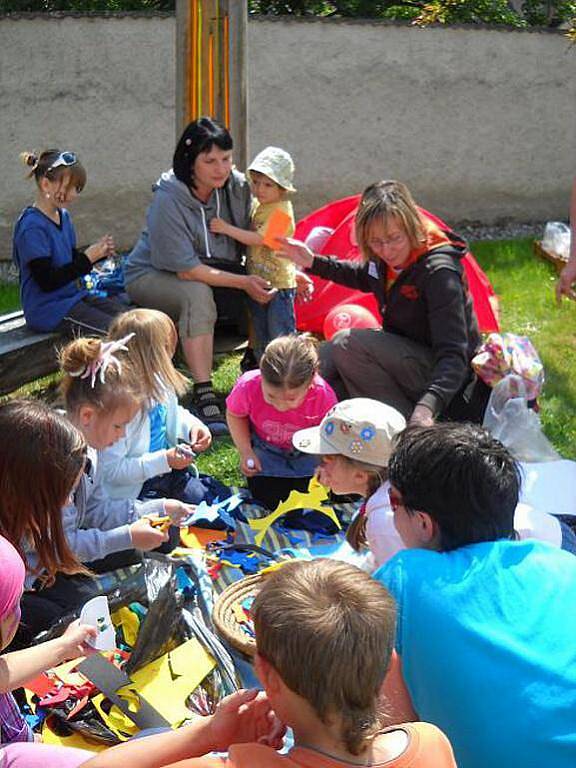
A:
<point x="428" y="303"/>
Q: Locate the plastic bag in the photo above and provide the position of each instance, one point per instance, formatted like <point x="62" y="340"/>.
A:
<point x="517" y="427"/>
<point x="503" y="354"/>
<point x="171" y="619"/>
<point x="557" y="239"/>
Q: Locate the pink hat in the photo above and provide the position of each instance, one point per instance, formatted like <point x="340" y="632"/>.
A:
<point x="12" y="574"/>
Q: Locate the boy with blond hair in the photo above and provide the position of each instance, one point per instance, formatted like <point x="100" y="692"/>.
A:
<point x="324" y="633"/>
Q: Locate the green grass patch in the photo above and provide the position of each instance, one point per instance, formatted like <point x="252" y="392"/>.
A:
<point x="9" y="297"/>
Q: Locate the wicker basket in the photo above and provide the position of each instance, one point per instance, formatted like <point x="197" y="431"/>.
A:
<point x="550" y="256"/>
<point x="225" y="619"/>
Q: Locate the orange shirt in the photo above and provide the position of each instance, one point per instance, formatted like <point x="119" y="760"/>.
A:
<point x="435" y="238"/>
<point x="427" y="748"/>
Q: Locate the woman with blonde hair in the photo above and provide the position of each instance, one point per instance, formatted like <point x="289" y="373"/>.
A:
<point x="419" y="361"/>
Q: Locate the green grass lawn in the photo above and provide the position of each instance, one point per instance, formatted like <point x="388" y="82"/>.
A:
<point x="525" y="285"/>
<point x="9" y="297"/>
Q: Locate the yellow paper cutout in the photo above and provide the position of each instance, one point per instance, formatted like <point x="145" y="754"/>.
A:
<point x="119" y="723"/>
<point x="129" y="622"/>
<point x="74" y="740"/>
<point x="312" y="499"/>
<point x="155" y="682"/>
<point x="64" y="672"/>
<point x="239" y="613"/>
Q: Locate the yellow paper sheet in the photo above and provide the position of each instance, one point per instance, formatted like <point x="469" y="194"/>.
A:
<point x="74" y="740"/>
<point x="312" y="499"/>
<point x="129" y="622"/>
<point x="189" y="663"/>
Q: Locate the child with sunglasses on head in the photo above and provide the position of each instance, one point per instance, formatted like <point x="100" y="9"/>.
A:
<point x="264" y="410"/>
<point x="101" y="397"/>
<point x="52" y="290"/>
<point x="270" y="175"/>
<point x="154" y="456"/>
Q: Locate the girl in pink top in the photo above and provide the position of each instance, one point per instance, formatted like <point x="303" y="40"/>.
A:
<point x="266" y="407"/>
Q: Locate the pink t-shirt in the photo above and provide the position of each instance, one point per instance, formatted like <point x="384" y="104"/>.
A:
<point x="277" y="427"/>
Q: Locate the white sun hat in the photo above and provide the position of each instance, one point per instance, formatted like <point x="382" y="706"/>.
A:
<point x="361" y="429"/>
<point x="277" y="164"/>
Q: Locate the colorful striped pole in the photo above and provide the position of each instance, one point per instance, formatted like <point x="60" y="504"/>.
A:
<point x="212" y="66"/>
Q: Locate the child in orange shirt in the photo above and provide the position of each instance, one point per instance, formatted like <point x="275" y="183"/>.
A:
<point x="325" y="633"/>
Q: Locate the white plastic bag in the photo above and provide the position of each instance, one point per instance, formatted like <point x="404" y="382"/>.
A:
<point x="557" y="239"/>
<point x="517" y="427"/>
<point x="317" y="237"/>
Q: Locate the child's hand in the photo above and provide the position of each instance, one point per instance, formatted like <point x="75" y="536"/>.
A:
<point x="177" y="510"/>
<point x="219" y="226"/>
<point x="75" y="639"/>
<point x="245" y="716"/>
<point x="178" y="458"/>
<point x="250" y="464"/>
<point x="200" y="438"/>
<point x="304" y="287"/>
<point x="101" y="249"/>
<point x="259" y="289"/>
<point x="145" y="537"/>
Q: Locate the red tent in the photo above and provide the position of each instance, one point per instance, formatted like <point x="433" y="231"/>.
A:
<point x="340" y="242"/>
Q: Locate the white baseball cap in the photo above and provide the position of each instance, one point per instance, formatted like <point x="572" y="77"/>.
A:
<point x="361" y="429"/>
<point x="277" y="164"/>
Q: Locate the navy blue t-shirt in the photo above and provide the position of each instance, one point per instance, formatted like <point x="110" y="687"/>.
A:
<point x="38" y="237"/>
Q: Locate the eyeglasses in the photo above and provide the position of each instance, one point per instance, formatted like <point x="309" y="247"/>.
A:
<point x="392" y="242"/>
<point x="64" y="159"/>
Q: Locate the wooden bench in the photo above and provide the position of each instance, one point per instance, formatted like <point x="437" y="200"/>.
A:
<point x="25" y="355"/>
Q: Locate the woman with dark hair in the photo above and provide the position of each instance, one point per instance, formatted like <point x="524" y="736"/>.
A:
<point x="177" y="261"/>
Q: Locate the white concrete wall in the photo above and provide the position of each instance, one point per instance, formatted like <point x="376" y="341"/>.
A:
<point x="481" y="123"/>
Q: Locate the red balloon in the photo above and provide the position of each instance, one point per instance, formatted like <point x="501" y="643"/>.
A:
<point x="344" y="316"/>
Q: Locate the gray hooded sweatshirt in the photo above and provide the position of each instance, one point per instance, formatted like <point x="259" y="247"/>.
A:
<point x="178" y="237"/>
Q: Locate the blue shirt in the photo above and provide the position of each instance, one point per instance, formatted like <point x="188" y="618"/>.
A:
<point x="38" y="237"/>
<point x="158" y="433"/>
<point x="487" y="636"/>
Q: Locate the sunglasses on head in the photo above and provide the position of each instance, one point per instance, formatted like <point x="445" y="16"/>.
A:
<point x="64" y="159"/>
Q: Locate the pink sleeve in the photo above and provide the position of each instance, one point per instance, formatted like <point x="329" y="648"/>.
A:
<point x="238" y="401"/>
<point x="34" y="755"/>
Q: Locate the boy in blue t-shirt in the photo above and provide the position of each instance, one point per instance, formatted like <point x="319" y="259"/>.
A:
<point x="487" y="624"/>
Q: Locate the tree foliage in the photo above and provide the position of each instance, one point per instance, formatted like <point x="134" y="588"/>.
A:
<point x="421" y="12"/>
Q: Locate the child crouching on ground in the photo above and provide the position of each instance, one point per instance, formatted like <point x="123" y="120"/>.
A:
<point x="148" y="461"/>
<point x="355" y="440"/>
<point x="324" y="633"/>
<point x="264" y="410"/>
